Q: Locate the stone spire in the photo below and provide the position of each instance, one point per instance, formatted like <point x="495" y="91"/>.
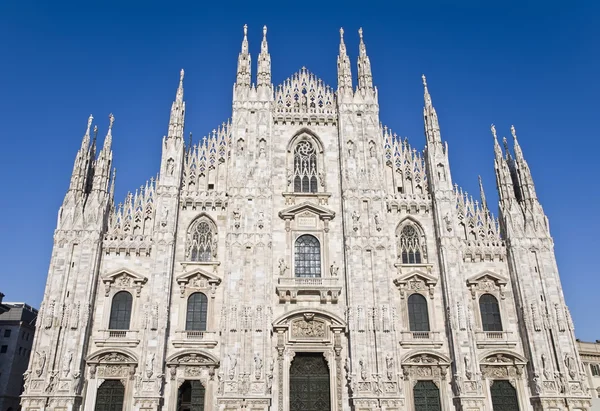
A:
<point x="365" y="78"/>
<point x="243" y="68"/>
<point x="523" y="172"/>
<point x="104" y="162"/>
<point x="432" y="126"/>
<point x="503" y="174"/>
<point x="343" y="68"/>
<point x="264" y="65"/>
<point x="177" y="119"/>
<point x="482" y="194"/>
<point x="82" y="161"/>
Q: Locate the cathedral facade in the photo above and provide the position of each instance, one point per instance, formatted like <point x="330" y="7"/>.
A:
<point x="302" y="257"/>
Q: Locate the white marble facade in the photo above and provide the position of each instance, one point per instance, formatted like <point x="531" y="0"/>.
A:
<point x="226" y="218"/>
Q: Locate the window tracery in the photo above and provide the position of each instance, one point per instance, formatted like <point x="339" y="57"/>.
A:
<point x="411" y="245"/>
<point x="307" y="257"/>
<point x="202" y="241"/>
<point x="305" y="168"/>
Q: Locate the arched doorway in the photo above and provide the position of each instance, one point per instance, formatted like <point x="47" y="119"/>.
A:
<point x="110" y="396"/>
<point x="190" y="396"/>
<point x="309" y="383"/>
<point x="504" y="396"/>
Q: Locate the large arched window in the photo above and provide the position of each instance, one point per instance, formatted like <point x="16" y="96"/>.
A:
<point x="504" y="396"/>
<point x="305" y="168"/>
<point x="191" y="396"/>
<point x="490" y="313"/>
<point x="426" y="396"/>
<point x="110" y="396"/>
<point x="197" y="308"/>
<point x="418" y="316"/>
<point x="202" y="241"/>
<point x="308" y="257"/>
<point x="120" y="311"/>
<point x="411" y="245"/>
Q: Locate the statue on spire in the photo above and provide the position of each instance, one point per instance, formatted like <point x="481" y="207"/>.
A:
<point x="365" y="78"/>
<point x="344" y="71"/>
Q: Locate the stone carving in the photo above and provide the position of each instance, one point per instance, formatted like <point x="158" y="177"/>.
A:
<point x="40" y="363"/>
<point x="154" y="318"/>
<point x="282" y="267"/>
<point x="468" y="372"/>
<point x="334" y="269"/>
<point x="232" y="365"/>
<point x="545" y="368"/>
<point x="377" y="219"/>
<point x="537" y="387"/>
<point x="372" y="149"/>
<point x="52" y="382"/>
<point x="389" y="365"/>
<point x="350" y="146"/>
<point x="461" y="316"/>
<point x="571" y="365"/>
<point x="261" y="219"/>
<point x="74" y="319"/>
<point x="312" y="329"/>
<point x="355" y="220"/>
<point x="49" y="314"/>
<point x="237" y="215"/>
<point x="322" y="179"/>
<point x="560" y="317"/>
<point x="150" y="365"/>
<point x="257" y="366"/>
<point x="535" y="316"/>
<point x="164" y="215"/>
<point x="67" y="363"/>
<point x="363" y="370"/>
<point x="170" y="166"/>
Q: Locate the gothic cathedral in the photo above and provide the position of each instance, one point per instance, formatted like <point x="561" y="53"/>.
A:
<point x="302" y="257"/>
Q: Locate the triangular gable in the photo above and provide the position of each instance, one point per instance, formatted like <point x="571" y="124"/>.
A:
<point x="112" y="276"/>
<point x="186" y="277"/>
<point x="291" y="212"/>
<point x="497" y="278"/>
<point x="416" y="280"/>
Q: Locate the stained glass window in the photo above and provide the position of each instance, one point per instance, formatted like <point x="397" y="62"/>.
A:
<point x="120" y="311"/>
<point x="305" y="168"/>
<point x="418" y="316"/>
<point x="504" y="396"/>
<point x="308" y="257"/>
<point x="490" y="313"/>
<point x="426" y="396"/>
<point x="201" y="244"/>
<point x="410" y="247"/>
<point x="197" y="308"/>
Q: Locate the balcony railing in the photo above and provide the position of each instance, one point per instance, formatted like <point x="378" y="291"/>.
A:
<point x="494" y="338"/>
<point x="127" y="338"/>
<point x="290" y="289"/>
<point x="410" y="338"/>
<point x="308" y="281"/>
<point x="195" y="338"/>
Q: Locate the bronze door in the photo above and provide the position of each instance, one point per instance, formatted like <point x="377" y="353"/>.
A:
<point x="309" y="383"/>
<point x="110" y="396"/>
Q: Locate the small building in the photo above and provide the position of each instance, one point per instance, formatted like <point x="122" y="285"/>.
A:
<point x="590" y="356"/>
<point x="17" y="328"/>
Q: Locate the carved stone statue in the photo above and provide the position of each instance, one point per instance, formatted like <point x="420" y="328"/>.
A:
<point x="282" y="267"/>
<point x="377" y="219"/>
<point x="350" y="149"/>
<point x="372" y="149"/>
<point x="232" y="364"/>
<point x="237" y="215"/>
<point x="334" y="269"/>
<point x="150" y="365"/>
<point x="468" y="372"/>
<point x="571" y="365"/>
<point x="257" y="366"/>
<point x="363" y="370"/>
<point x="545" y="368"/>
<point x="170" y="166"/>
<point x="67" y="363"/>
<point x="389" y="364"/>
<point x="537" y="387"/>
<point x="40" y="363"/>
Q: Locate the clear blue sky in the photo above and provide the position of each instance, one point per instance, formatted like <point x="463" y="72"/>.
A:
<point x="534" y="65"/>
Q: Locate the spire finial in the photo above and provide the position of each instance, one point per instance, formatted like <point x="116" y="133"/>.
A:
<point x="245" y="31"/>
<point x="482" y="193"/>
<point x="95" y="135"/>
<point x="263" y="45"/>
<point x="360" y="33"/>
<point x="424" y="80"/>
<point x="89" y="124"/>
<point x="181" y="74"/>
<point x="111" y="120"/>
<point x="342" y="34"/>
<point x="362" y="48"/>
<point x="265" y="31"/>
<point x="428" y="102"/>
<point x="513" y="132"/>
<point x="493" y="128"/>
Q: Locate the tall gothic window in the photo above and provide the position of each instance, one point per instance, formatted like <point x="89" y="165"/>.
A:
<point x="504" y="396"/>
<point x="120" y="311"/>
<point x="418" y="316"/>
<point x="197" y="308"/>
<point x="426" y="396"/>
<point x="308" y="257"/>
<point x="490" y="313"/>
<point x="202" y="241"/>
<point x="305" y="168"/>
<point x="410" y="245"/>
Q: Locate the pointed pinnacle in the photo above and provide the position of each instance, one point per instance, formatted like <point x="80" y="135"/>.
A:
<point x="513" y="132"/>
<point x="111" y="120"/>
<point x="493" y="128"/>
<point x="89" y="124"/>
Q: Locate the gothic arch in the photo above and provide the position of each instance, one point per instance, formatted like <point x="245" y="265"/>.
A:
<point x="307" y="134"/>
<point x="411" y="242"/>
<point x="202" y="242"/>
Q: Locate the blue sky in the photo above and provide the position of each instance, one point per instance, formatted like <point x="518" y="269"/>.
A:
<point x="534" y="65"/>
